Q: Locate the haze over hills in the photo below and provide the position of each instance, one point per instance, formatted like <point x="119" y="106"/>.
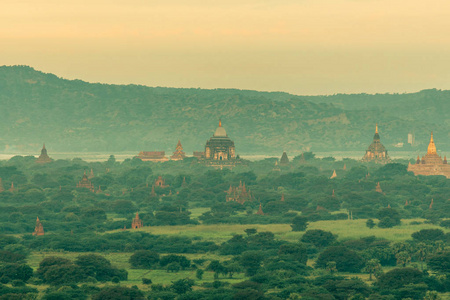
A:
<point x="73" y="115"/>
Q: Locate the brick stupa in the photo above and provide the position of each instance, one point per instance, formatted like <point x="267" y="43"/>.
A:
<point x="136" y="223"/>
<point x="38" y="229"/>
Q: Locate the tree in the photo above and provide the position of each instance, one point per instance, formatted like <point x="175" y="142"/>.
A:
<point x="16" y="272"/>
<point x="422" y="251"/>
<point x="346" y="259"/>
<point x="373" y="266"/>
<point x="199" y="274"/>
<point x="299" y="223"/>
<point x="440" y="262"/>
<point x="331" y="266"/>
<point x="370" y="223"/>
<point x="251" y="261"/>
<point x="296" y="252"/>
<point x="182" y="286"/>
<point x="398" y="278"/>
<point x="428" y="235"/>
<point x="318" y="238"/>
<point x="403" y="258"/>
<point x="182" y="261"/>
<point x="100" y="268"/>
<point x="144" y="259"/>
<point x="388" y="217"/>
<point x="119" y="292"/>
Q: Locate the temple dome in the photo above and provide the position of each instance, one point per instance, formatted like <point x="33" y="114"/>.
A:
<point x="220" y="131"/>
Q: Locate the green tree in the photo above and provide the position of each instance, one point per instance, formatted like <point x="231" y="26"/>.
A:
<point x="373" y="266"/>
<point x="145" y="259"/>
<point x="346" y="259"/>
<point x="331" y="266"/>
<point x="370" y="223"/>
<point x="299" y="223"/>
<point x="318" y="238"/>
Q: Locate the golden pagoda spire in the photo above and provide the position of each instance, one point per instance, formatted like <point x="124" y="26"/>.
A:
<point x="220" y="123"/>
<point x="376" y="127"/>
<point x="431" y="146"/>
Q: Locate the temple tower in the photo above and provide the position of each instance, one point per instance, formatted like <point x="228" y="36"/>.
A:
<point x="376" y="151"/>
<point x="284" y="161"/>
<point x="136" y="223"/>
<point x="178" y="154"/>
<point x="43" y="158"/>
<point x="38" y="229"/>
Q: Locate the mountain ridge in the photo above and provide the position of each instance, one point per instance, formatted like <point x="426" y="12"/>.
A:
<point x="75" y="115"/>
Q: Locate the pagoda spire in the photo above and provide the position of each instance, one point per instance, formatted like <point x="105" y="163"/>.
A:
<point x="376" y="127"/>
<point x="220" y="122"/>
<point x="431" y="146"/>
<point x="260" y="211"/>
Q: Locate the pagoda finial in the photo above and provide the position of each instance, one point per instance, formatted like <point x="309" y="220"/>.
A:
<point x="431" y="146"/>
<point x="220" y="122"/>
<point x="376" y="127"/>
<point x="43" y="147"/>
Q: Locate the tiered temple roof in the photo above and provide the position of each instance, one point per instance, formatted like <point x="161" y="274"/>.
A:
<point x="136" y="223"/>
<point x="156" y="156"/>
<point x="38" y="229"/>
<point x="334" y="175"/>
<point x="86" y="183"/>
<point x="376" y="151"/>
<point x="238" y="194"/>
<point x="178" y="154"/>
<point x="431" y="163"/>
<point x="43" y="158"/>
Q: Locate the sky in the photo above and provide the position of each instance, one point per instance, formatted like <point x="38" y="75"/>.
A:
<point x="305" y="47"/>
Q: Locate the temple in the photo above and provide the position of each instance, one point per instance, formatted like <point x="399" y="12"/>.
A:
<point x="38" y="229"/>
<point x="376" y="151"/>
<point x="238" y="194"/>
<point x="156" y="156"/>
<point x="219" y="149"/>
<point x="86" y="183"/>
<point x="160" y="182"/>
<point x="334" y="175"/>
<point x="431" y="163"/>
<point x="178" y="154"/>
<point x="43" y="158"/>
<point x="136" y="223"/>
<point x="378" y="188"/>
<point x="260" y="211"/>
<point x="284" y="161"/>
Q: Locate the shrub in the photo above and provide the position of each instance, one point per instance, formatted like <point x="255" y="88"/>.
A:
<point x="318" y="238"/>
<point x="346" y="259"/>
<point x="144" y="259"/>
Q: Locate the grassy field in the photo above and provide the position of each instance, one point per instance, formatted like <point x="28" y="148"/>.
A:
<point x="345" y="229"/>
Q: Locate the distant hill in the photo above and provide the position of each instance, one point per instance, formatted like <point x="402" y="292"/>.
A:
<point x="73" y="115"/>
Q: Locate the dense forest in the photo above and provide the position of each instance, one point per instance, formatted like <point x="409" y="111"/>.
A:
<point x="76" y="116"/>
<point x="299" y="234"/>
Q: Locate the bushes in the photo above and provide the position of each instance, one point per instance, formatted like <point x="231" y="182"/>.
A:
<point x="144" y="259"/>
<point x="346" y="259"/>
<point x="318" y="238"/>
<point x="428" y="235"/>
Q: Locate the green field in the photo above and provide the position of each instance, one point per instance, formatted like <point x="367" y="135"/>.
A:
<point x="345" y="229"/>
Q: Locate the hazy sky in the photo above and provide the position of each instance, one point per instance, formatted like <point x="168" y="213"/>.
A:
<point x="297" y="46"/>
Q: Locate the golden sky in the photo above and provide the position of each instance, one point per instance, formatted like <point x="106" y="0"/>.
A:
<point x="298" y="46"/>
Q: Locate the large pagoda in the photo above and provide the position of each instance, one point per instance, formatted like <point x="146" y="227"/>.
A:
<point x="219" y="149"/>
<point x="43" y="158"/>
<point x="376" y="151"/>
<point x="431" y="163"/>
